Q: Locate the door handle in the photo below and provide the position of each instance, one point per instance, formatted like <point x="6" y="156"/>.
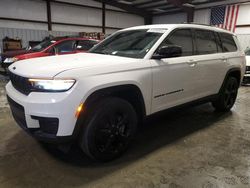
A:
<point x="192" y="63"/>
<point x="224" y="60"/>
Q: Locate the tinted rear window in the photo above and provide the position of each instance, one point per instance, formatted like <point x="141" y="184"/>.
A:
<point x="228" y="43"/>
<point x="206" y="42"/>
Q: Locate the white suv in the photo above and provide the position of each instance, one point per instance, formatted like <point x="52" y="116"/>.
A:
<point x="99" y="97"/>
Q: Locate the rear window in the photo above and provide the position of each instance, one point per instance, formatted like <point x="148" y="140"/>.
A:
<point x="228" y="43"/>
<point x="206" y="42"/>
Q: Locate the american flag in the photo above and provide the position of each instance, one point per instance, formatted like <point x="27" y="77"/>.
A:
<point x="225" y="17"/>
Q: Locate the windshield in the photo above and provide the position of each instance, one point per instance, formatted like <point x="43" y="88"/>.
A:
<point x="247" y="52"/>
<point x="132" y="43"/>
<point x="41" y="46"/>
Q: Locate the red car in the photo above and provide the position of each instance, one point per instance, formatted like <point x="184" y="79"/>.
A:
<point x="55" y="46"/>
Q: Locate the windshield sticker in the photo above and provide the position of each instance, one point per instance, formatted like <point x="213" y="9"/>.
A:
<point x="155" y="30"/>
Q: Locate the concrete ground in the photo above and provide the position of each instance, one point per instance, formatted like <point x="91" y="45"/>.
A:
<point x="193" y="147"/>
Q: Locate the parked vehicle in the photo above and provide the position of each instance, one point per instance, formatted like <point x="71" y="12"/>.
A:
<point x="99" y="97"/>
<point x="246" y="79"/>
<point x="56" y="46"/>
<point x="11" y="54"/>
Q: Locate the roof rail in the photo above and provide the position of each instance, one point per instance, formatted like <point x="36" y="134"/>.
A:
<point x="198" y="24"/>
<point x="205" y="25"/>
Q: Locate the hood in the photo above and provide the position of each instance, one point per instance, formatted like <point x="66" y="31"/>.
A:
<point x="14" y="53"/>
<point x="247" y="60"/>
<point x="48" y="67"/>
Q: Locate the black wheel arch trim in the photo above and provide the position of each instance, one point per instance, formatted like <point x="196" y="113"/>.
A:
<point x="106" y="92"/>
<point x="230" y="71"/>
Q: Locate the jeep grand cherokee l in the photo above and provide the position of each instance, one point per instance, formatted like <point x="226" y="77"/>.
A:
<point x="99" y="97"/>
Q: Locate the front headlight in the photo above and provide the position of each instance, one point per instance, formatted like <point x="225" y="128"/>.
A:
<point x="56" y="85"/>
<point x="10" y="60"/>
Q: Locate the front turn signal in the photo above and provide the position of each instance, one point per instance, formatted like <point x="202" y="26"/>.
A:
<point x="79" y="110"/>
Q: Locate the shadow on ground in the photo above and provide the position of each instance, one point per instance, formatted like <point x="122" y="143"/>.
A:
<point x="33" y="164"/>
<point x="158" y="130"/>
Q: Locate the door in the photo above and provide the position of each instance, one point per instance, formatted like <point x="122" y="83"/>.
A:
<point x="174" y="78"/>
<point x="211" y="62"/>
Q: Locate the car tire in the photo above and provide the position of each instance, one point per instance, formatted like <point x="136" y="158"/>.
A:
<point x="108" y="129"/>
<point x="227" y="95"/>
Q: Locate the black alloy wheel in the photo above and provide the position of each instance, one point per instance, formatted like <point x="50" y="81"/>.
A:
<point x="231" y="91"/>
<point x="227" y="96"/>
<point x="109" y="129"/>
<point x="112" y="133"/>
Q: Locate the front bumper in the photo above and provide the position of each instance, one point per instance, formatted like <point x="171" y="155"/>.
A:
<point x="49" y="117"/>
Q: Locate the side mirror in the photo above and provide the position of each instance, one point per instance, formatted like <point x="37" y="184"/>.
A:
<point x="168" y="51"/>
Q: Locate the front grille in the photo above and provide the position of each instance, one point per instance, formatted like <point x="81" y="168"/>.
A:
<point x="17" y="112"/>
<point x="20" y="83"/>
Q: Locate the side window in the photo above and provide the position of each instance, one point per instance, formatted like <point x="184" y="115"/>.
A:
<point x="183" y="38"/>
<point x="65" y="46"/>
<point x="228" y="43"/>
<point x="85" y="44"/>
<point x="205" y="42"/>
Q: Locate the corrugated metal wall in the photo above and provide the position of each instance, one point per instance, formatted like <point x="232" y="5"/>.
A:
<point x="67" y="14"/>
<point x="202" y="16"/>
<point x="29" y="34"/>
<point x="170" y="19"/>
<point x="83" y="17"/>
<point x="244" y="40"/>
